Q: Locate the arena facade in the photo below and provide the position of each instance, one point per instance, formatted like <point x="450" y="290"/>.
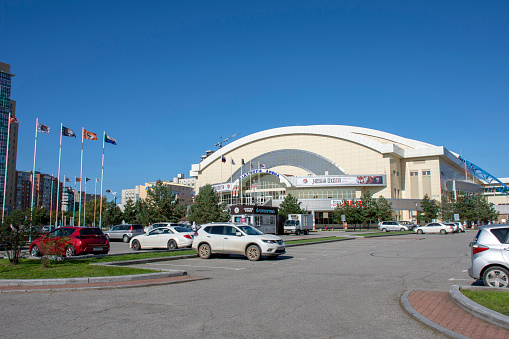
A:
<point x="325" y="165"/>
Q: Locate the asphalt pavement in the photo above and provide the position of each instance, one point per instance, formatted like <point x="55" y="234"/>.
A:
<point x="343" y="289"/>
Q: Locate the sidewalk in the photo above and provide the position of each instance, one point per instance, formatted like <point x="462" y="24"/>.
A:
<point x="438" y="310"/>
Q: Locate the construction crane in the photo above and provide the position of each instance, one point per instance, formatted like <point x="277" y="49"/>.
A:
<point x="221" y="141"/>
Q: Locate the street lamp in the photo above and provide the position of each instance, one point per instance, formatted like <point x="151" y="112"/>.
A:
<point x="416" y="213"/>
<point x="114" y="194"/>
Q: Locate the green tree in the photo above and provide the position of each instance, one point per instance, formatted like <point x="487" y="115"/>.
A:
<point x="40" y="216"/>
<point x="163" y="204"/>
<point x="484" y="211"/>
<point x="447" y="206"/>
<point x="352" y="212"/>
<point x="112" y="215"/>
<point x="429" y="209"/>
<point x="206" y="207"/>
<point x="368" y="208"/>
<point x="383" y="209"/>
<point x="129" y="212"/>
<point x="14" y="232"/>
<point x="290" y="205"/>
<point x="142" y="210"/>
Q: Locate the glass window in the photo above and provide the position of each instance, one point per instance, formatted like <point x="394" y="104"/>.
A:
<point x="426" y="172"/>
<point x="501" y="234"/>
<point x="217" y="230"/>
<point x="229" y="230"/>
<point x="414" y="174"/>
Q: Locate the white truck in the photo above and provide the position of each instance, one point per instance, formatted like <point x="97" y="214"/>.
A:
<point x="298" y="223"/>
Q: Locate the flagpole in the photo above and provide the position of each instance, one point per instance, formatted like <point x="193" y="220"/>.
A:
<point x="85" y="204"/>
<point x="63" y="190"/>
<point x="231" y="184"/>
<point x="81" y="173"/>
<point x="73" y="203"/>
<point x="95" y="200"/>
<point x="240" y="178"/>
<point x="6" y="164"/>
<point x="250" y="183"/>
<point x="51" y="200"/>
<point x="221" y="201"/>
<point x="58" y="174"/>
<point x="33" y="172"/>
<point x="102" y="177"/>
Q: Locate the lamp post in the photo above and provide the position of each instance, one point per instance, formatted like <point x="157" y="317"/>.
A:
<point x="114" y="195"/>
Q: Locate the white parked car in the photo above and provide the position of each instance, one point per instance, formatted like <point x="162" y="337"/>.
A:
<point x="435" y="227"/>
<point x="232" y="238"/>
<point x="170" y="237"/>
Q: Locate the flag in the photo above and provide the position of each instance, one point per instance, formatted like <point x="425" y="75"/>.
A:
<point x="223" y="159"/>
<point x="262" y="166"/>
<point x="96" y="180"/>
<point x="13" y="119"/>
<point x="233" y="163"/>
<point x="42" y="128"/>
<point x="89" y="135"/>
<point x="243" y="163"/>
<point x="87" y="179"/>
<point x="68" y="132"/>
<point x="76" y="179"/>
<point x="67" y="180"/>
<point x="109" y="139"/>
<point x="250" y="164"/>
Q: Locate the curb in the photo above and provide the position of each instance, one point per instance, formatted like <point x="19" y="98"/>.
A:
<point x="406" y="305"/>
<point x="89" y="280"/>
<point x="384" y="235"/>
<point x="144" y="261"/>
<point x="111" y="287"/>
<point x="475" y="309"/>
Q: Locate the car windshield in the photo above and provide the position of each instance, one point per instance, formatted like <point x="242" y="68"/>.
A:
<point x="181" y="229"/>
<point x="90" y="231"/>
<point x="250" y="230"/>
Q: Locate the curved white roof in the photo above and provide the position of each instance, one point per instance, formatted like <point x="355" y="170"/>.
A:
<point x="363" y="136"/>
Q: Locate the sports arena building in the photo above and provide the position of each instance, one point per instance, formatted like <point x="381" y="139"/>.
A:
<point x="326" y="165"/>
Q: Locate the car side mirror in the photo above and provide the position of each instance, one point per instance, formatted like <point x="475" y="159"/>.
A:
<point x="238" y="234"/>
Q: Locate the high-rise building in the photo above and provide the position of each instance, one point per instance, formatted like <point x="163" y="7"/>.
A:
<point x="45" y="192"/>
<point x="7" y="106"/>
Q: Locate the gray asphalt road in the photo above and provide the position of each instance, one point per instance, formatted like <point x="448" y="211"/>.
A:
<point x="347" y="289"/>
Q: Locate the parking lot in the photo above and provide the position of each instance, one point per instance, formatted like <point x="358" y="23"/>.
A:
<point x="342" y="289"/>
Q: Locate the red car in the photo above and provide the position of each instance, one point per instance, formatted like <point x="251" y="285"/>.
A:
<point x="71" y="241"/>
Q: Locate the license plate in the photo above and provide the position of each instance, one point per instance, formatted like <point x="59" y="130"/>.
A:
<point x="97" y="249"/>
<point x="281" y="248"/>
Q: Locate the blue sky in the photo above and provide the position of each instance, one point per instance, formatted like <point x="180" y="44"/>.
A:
<point x="167" y="79"/>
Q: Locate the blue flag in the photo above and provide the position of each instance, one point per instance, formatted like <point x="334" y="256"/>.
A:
<point x="109" y="139"/>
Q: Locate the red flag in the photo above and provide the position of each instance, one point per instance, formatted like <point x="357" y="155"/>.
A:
<point x="76" y="179"/>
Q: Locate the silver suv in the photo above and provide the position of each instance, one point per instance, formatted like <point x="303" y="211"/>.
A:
<point x="385" y="226"/>
<point x="490" y="255"/>
<point x="233" y="238"/>
<point x="124" y="232"/>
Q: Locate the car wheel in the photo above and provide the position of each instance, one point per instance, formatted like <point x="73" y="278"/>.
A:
<point x="384" y="229"/>
<point x="402" y="230"/>
<point x="253" y="253"/>
<point x="125" y="238"/>
<point x="420" y="232"/>
<point x="443" y="231"/>
<point x="35" y="251"/>
<point x="496" y="276"/>
<point x="172" y="245"/>
<point x="204" y="251"/>
<point x="70" y="251"/>
<point x="136" y="245"/>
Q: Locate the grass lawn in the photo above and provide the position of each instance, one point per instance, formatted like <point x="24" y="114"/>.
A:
<point x="77" y="268"/>
<point x="494" y="300"/>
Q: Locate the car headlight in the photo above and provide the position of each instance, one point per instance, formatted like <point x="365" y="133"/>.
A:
<point x="269" y="241"/>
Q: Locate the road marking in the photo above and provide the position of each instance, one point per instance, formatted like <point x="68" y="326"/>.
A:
<point x="464" y="271"/>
